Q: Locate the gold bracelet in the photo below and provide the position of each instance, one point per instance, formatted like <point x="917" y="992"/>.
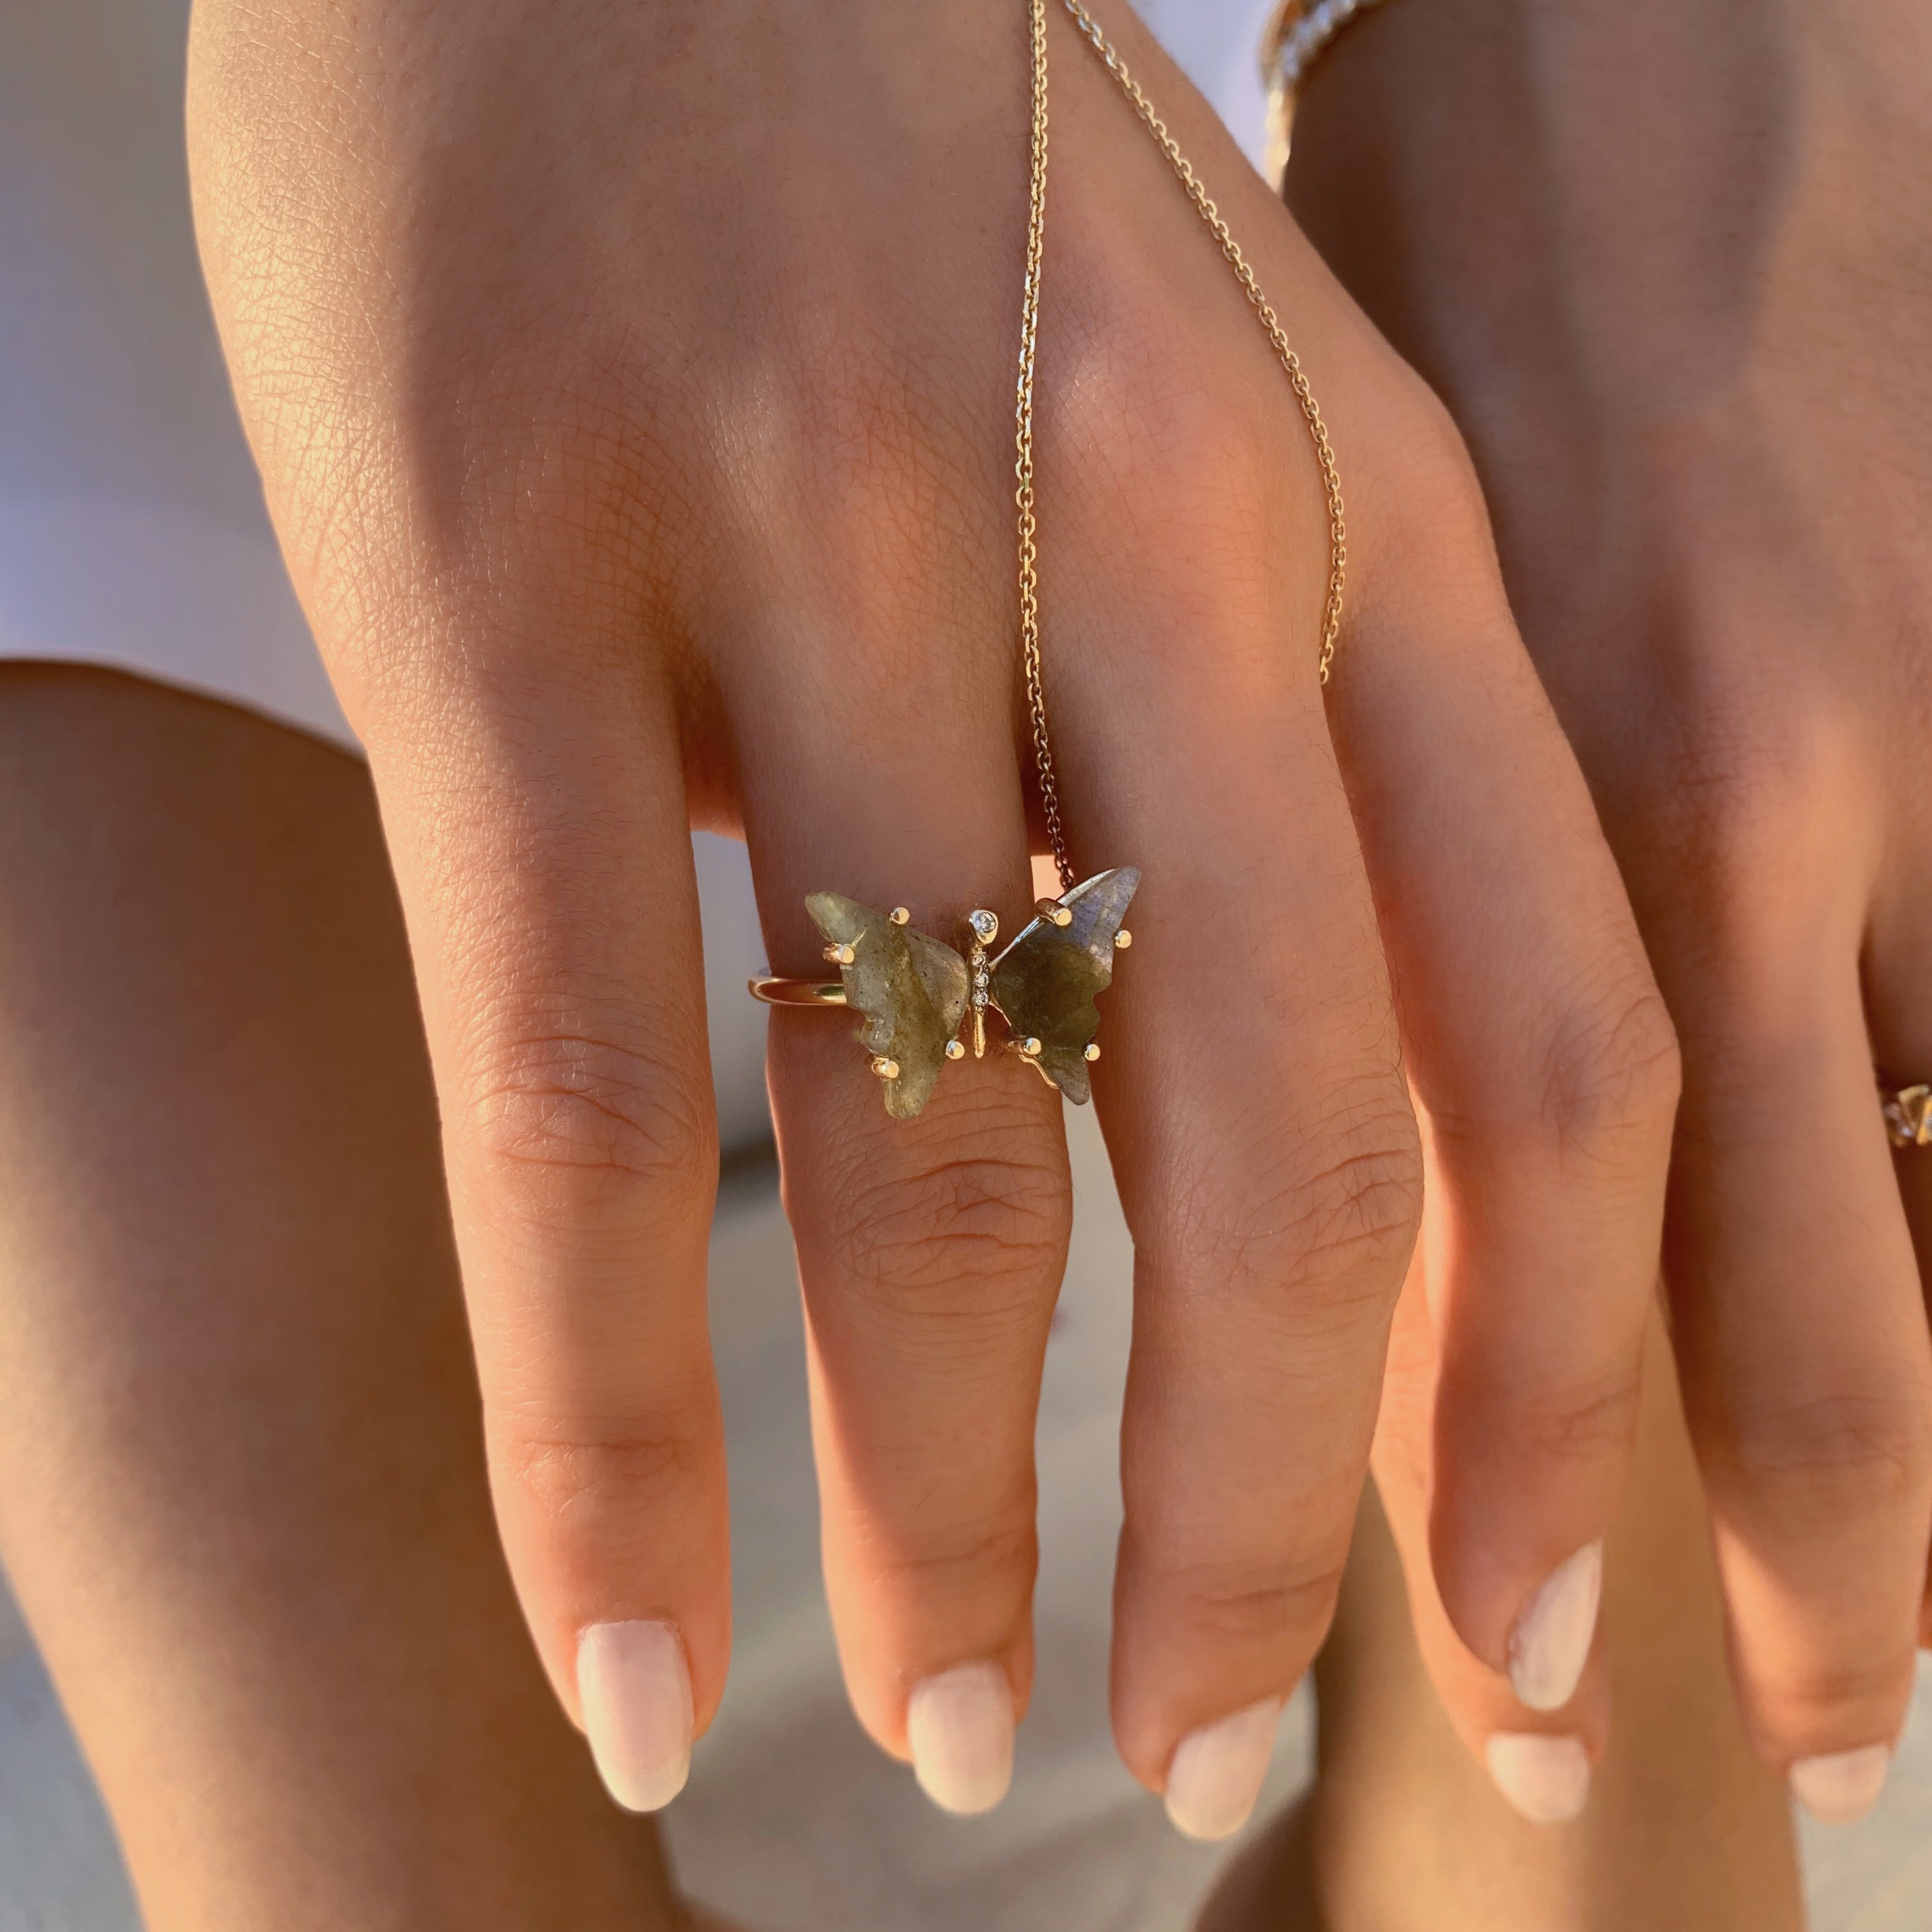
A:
<point x="1297" y="35"/>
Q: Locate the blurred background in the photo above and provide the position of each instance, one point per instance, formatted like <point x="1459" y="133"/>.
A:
<point x="132" y="535"/>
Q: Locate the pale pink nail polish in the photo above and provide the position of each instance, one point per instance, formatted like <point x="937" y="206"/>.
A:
<point x="1547" y="1780"/>
<point x="1551" y="1642"/>
<point x="959" y="1723"/>
<point x="634" y="1687"/>
<point x="1215" y="1774"/>
<point x="1840" y="1787"/>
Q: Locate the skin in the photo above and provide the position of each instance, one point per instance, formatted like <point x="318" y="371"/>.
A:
<point x="626" y="494"/>
<point x="242" y="1493"/>
<point x="242" y="1496"/>
<point x="1686" y="1831"/>
<point x="1670" y="265"/>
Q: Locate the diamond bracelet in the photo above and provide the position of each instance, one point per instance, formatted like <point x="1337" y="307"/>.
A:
<point x="1296" y="36"/>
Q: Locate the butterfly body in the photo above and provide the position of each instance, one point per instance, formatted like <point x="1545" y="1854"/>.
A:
<point x="916" y="993"/>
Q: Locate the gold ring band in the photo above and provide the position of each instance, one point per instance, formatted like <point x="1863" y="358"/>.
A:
<point x="781" y="992"/>
<point x="1908" y="1114"/>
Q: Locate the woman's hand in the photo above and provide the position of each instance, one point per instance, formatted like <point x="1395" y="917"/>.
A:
<point x="1671" y="262"/>
<point x="634" y="388"/>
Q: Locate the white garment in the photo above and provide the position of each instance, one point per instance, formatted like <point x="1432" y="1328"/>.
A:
<point x="132" y="532"/>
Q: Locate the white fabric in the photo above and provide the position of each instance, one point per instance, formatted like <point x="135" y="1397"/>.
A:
<point x="132" y="531"/>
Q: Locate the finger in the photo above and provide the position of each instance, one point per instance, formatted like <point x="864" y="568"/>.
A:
<point x="1251" y="1086"/>
<point x="1541" y="1760"/>
<point x="546" y="871"/>
<point x="1915" y="1188"/>
<point x="930" y="1248"/>
<point x="1801" y="1337"/>
<point x="1269" y="1168"/>
<point x="1547" y="1069"/>
<point x="1901" y="1036"/>
<point x="1541" y="1037"/>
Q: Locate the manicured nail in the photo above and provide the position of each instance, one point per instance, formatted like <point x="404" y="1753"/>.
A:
<point x="1215" y="1774"/>
<point x="1545" y="1779"/>
<point x="1551" y="1642"/>
<point x="634" y="1686"/>
<point x="1841" y="1786"/>
<point x="960" y="1725"/>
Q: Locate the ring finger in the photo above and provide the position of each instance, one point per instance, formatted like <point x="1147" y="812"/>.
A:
<point x="930" y="1202"/>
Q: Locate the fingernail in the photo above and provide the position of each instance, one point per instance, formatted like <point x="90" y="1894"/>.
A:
<point x="1547" y="1780"/>
<point x="1841" y="1786"/>
<point x="1215" y="1774"/>
<point x="960" y="1725"/>
<point x="634" y="1686"/>
<point x="1551" y="1642"/>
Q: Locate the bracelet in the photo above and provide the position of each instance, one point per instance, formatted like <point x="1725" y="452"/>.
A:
<point x="1296" y="36"/>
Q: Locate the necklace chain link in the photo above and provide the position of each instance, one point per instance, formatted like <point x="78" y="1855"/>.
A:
<point x="1304" y="395"/>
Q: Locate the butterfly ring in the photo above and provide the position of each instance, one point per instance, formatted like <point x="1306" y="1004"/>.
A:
<point x="918" y="995"/>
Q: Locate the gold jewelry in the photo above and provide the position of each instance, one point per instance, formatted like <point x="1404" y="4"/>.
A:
<point x="775" y="991"/>
<point x="916" y="992"/>
<point x="1908" y="1114"/>
<point x="1298" y="34"/>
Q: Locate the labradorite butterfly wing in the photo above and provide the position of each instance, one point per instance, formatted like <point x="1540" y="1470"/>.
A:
<point x="911" y="989"/>
<point x="1044" y="982"/>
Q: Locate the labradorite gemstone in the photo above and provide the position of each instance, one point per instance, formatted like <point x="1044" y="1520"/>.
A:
<point x="1044" y="982"/>
<point x="911" y="989"/>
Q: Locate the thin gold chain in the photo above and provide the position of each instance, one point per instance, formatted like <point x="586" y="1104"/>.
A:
<point x="1304" y="395"/>
<point x="1042" y="745"/>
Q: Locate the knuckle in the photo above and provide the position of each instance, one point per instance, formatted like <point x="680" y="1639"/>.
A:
<point x="1238" y="1604"/>
<point x="1333" y="1226"/>
<point x="1612" y="1071"/>
<point x="572" y="1128"/>
<point x="968" y="1222"/>
<point x="1152" y="426"/>
<point x="1856" y="1686"/>
<point x="872" y="453"/>
<point x="1746" y="795"/>
<point x="1574" y="1428"/>
<point x="944" y="1563"/>
<point x="1432" y="521"/>
<point x="1806" y="1463"/>
<point x="595" y="1477"/>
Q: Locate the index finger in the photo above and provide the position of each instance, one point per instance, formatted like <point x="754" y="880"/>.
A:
<point x="534" y="805"/>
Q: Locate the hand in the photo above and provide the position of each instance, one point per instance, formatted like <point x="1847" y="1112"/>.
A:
<point x="634" y="390"/>
<point x="1670" y="261"/>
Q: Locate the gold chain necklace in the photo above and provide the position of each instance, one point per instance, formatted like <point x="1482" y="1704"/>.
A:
<point x="917" y="992"/>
